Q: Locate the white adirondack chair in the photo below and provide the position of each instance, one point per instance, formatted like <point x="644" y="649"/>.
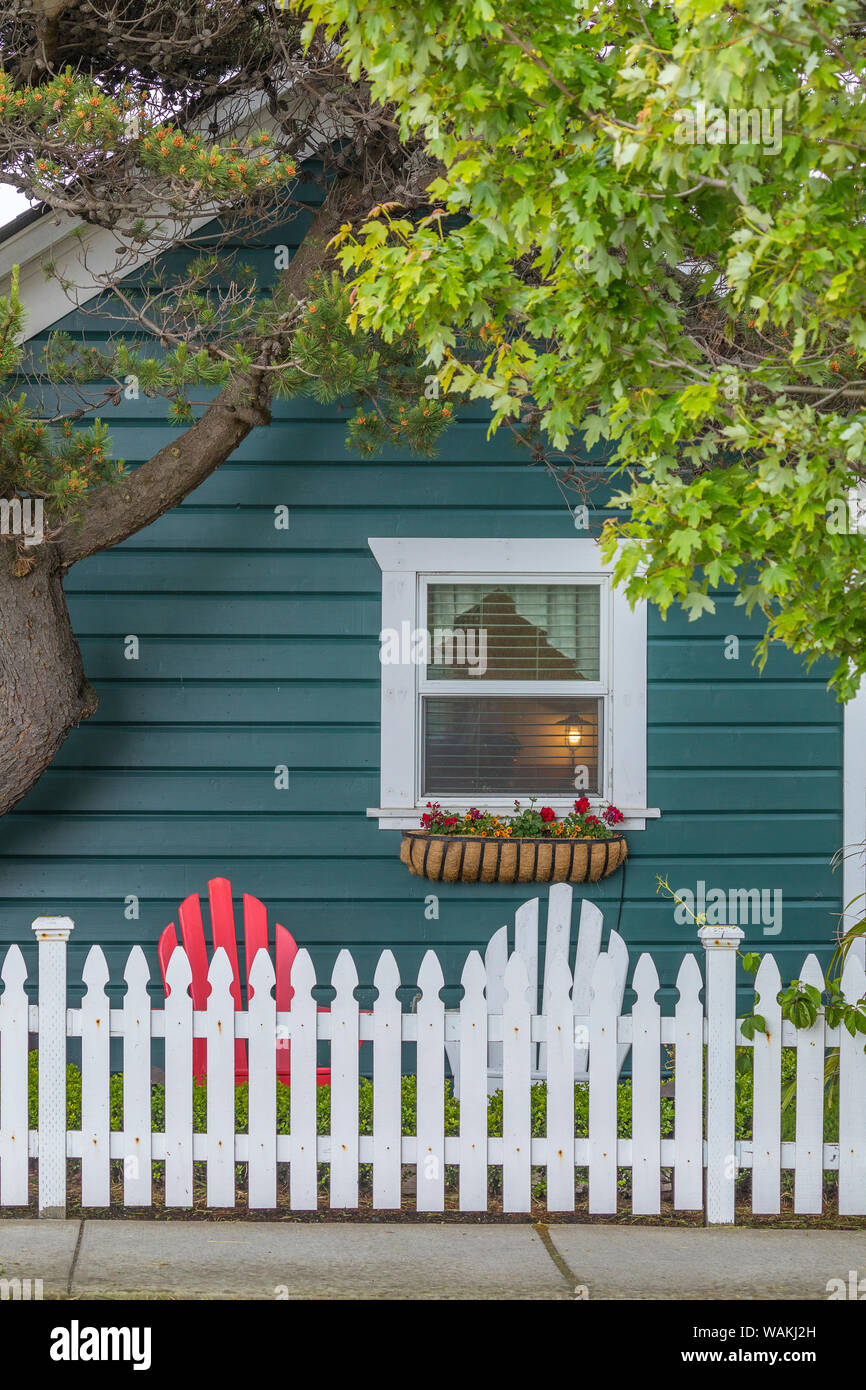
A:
<point x="584" y="956"/>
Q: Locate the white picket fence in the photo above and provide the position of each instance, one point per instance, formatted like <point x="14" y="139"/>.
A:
<point x="703" y="1153"/>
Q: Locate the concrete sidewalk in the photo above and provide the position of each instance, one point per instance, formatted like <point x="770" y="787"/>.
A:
<point x="310" y="1260"/>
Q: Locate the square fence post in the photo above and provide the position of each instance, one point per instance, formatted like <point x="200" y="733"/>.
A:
<point x="52" y="933"/>
<point x="720" y="947"/>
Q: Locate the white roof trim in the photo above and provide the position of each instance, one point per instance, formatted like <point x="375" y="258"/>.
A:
<point x="78" y="259"/>
<point x="44" y="298"/>
<point x="410" y="554"/>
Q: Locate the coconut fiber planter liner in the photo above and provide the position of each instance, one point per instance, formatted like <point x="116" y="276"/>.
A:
<point x="478" y="859"/>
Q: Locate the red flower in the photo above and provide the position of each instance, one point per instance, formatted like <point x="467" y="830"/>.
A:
<point x="612" y="815"/>
<point x="582" y="804"/>
<point x="593" y="820"/>
<point x="548" y="813"/>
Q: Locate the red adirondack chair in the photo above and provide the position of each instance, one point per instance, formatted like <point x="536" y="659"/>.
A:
<point x="222" y="919"/>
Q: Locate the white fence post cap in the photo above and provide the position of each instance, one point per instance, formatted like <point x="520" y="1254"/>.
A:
<point x="725" y="937"/>
<point x="53" y="928"/>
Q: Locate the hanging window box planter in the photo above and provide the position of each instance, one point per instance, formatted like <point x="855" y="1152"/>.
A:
<point x="529" y="847"/>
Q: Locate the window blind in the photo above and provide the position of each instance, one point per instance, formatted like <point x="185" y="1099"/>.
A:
<point x="520" y="632"/>
<point x="501" y="745"/>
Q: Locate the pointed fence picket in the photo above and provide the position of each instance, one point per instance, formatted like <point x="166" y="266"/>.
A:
<point x="852" y="1101"/>
<point x="220" y="1033"/>
<point x="344" y="1084"/>
<point x="303" y="1167"/>
<point x="387" y="1078"/>
<point x="430" y="1074"/>
<point x="500" y="1034"/>
<point x="473" y="1093"/>
<point x="95" y="1081"/>
<point x="14" y="1006"/>
<point x="262" y="1084"/>
<point x="645" y="1093"/>
<point x="560" y="1085"/>
<point x="688" y="1089"/>
<point x="603" y="1019"/>
<point x="767" y="1093"/>
<point x="137" y="1121"/>
<point x="517" y="1070"/>
<point x="178" y="1022"/>
<point x="809" y="1161"/>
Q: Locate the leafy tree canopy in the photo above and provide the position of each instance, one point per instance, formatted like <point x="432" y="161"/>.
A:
<point x="653" y="215"/>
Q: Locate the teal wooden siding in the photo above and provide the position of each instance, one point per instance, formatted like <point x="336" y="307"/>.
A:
<point x="259" y="647"/>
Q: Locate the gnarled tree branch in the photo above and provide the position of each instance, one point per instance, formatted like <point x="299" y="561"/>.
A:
<point x="119" y="510"/>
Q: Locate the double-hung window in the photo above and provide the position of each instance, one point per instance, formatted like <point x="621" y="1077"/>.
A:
<point x="510" y="669"/>
<point x="511" y="695"/>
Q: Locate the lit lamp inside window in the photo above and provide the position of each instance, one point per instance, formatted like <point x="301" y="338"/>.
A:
<point x="573" y="730"/>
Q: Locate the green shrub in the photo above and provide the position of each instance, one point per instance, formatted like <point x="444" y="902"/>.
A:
<point x="538" y="1104"/>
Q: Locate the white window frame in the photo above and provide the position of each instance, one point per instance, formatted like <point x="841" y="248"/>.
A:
<point x="408" y="564"/>
<point x="469" y="687"/>
<point x="854" y="816"/>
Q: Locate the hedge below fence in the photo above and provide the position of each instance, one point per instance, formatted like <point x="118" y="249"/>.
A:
<point x="538" y="1101"/>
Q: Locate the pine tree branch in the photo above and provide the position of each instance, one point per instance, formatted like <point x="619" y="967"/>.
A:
<point x="115" y="512"/>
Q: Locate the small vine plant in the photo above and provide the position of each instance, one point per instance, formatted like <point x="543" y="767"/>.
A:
<point x="801" y="1003"/>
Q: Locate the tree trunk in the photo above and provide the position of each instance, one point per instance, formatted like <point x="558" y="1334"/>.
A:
<point x="43" y="689"/>
<point x="44" y="692"/>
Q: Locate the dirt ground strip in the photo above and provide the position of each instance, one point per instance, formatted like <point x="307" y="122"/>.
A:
<point x="365" y="1211"/>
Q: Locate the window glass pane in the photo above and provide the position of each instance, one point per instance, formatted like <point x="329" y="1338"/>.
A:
<point x="500" y="745"/>
<point x="520" y="632"/>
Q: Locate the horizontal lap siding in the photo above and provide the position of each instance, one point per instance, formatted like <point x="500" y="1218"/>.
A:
<point x="259" y="647"/>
